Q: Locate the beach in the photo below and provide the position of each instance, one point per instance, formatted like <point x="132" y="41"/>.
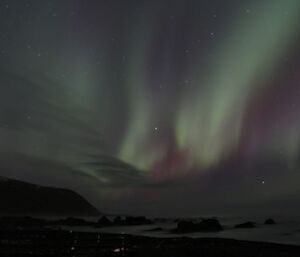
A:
<point x="91" y="244"/>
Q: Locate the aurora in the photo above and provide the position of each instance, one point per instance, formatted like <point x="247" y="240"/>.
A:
<point x="139" y="104"/>
<point x="208" y="115"/>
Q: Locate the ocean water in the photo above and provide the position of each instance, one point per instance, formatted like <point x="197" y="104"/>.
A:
<point x="286" y="230"/>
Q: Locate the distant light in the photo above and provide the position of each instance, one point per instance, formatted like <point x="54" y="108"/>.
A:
<point x="263" y="182"/>
<point x="156" y="128"/>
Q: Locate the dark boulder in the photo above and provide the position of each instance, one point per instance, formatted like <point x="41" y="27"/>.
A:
<point x="270" y="222"/>
<point x="207" y="225"/>
<point x="185" y="226"/>
<point x="118" y="221"/>
<point x="248" y="224"/>
<point x="71" y="221"/>
<point x="104" y="222"/>
<point x="141" y="220"/>
<point x="131" y="221"/>
<point x="154" y="229"/>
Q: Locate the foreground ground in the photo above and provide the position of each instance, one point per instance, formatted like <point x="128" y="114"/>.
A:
<point x="69" y="243"/>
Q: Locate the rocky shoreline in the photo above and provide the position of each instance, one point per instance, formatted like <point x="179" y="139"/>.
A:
<point x="49" y="242"/>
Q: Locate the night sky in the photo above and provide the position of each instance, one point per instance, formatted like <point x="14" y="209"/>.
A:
<point x="164" y="107"/>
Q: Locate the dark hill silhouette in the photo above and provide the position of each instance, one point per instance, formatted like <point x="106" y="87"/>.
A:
<point x="21" y="198"/>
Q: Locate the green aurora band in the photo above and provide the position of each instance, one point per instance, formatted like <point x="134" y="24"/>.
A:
<point x="209" y="118"/>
